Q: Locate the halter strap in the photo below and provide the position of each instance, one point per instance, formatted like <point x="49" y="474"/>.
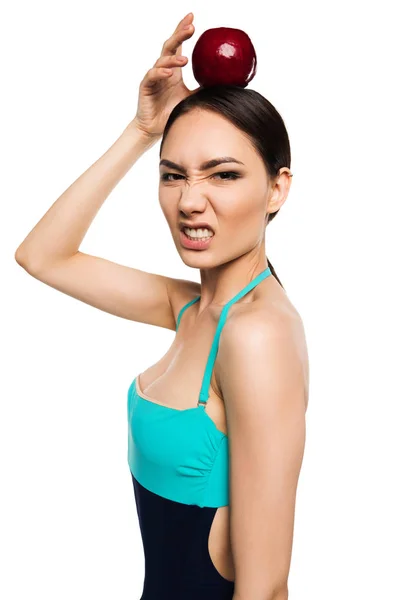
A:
<point x="203" y="397"/>
<point x="183" y="309"/>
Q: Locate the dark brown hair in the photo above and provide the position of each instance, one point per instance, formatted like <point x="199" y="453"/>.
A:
<point x="250" y="112"/>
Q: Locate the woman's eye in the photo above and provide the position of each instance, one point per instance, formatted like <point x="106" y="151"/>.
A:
<point x="164" y="176"/>
<point x="233" y="175"/>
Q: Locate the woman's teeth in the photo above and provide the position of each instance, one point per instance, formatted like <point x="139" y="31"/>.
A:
<point x="198" y="234"/>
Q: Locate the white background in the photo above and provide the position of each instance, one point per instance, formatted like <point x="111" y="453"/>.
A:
<point x="70" y="77"/>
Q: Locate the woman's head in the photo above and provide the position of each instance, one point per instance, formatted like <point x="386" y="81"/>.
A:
<point x="215" y="122"/>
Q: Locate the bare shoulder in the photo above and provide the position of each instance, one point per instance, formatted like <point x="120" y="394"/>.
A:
<point x="264" y="335"/>
<point x="264" y="321"/>
<point x="181" y="291"/>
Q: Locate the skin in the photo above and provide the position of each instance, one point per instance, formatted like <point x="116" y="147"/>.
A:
<point x="229" y="206"/>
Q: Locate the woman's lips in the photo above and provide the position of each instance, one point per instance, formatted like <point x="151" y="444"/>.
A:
<point x="194" y="244"/>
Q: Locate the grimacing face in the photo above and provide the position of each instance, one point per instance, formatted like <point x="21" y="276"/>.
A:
<point x="235" y="207"/>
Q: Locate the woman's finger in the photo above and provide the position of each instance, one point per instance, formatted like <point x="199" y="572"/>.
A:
<point x="174" y="44"/>
<point x="171" y="61"/>
<point x="155" y="74"/>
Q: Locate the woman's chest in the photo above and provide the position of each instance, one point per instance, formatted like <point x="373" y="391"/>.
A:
<point x="178" y="442"/>
<point x="176" y="379"/>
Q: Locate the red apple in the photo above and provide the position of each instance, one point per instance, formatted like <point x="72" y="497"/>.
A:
<point x="224" y="55"/>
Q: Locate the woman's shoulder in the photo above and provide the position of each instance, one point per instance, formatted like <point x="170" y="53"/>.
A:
<point x="182" y="291"/>
<point x="262" y="330"/>
<point x="268" y="311"/>
<point x="261" y="318"/>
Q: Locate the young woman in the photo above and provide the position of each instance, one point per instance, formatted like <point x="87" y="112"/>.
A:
<point x="216" y="428"/>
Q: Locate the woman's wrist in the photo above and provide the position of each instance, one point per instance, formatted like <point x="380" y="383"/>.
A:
<point x="133" y="128"/>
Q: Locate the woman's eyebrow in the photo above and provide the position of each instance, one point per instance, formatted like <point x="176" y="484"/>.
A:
<point x="209" y="164"/>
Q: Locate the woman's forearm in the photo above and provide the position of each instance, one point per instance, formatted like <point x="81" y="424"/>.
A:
<point x="61" y="230"/>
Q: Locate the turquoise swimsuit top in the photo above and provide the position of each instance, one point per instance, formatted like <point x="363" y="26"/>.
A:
<point x="180" y="454"/>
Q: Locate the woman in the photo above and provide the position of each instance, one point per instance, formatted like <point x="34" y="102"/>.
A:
<point x="216" y="518"/>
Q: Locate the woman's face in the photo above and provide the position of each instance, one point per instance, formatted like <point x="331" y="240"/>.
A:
<point x="234" y="206"/>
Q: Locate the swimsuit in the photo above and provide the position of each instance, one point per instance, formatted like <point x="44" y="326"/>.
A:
<point x="179" y="465"/>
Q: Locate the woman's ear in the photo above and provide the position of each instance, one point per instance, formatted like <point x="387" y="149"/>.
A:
<point x="280" y="189"/>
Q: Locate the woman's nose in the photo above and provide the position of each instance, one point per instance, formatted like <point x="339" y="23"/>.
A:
<point x="192" y="196"/>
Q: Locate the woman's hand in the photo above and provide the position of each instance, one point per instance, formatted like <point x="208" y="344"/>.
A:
<point x="160" y="91"/>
